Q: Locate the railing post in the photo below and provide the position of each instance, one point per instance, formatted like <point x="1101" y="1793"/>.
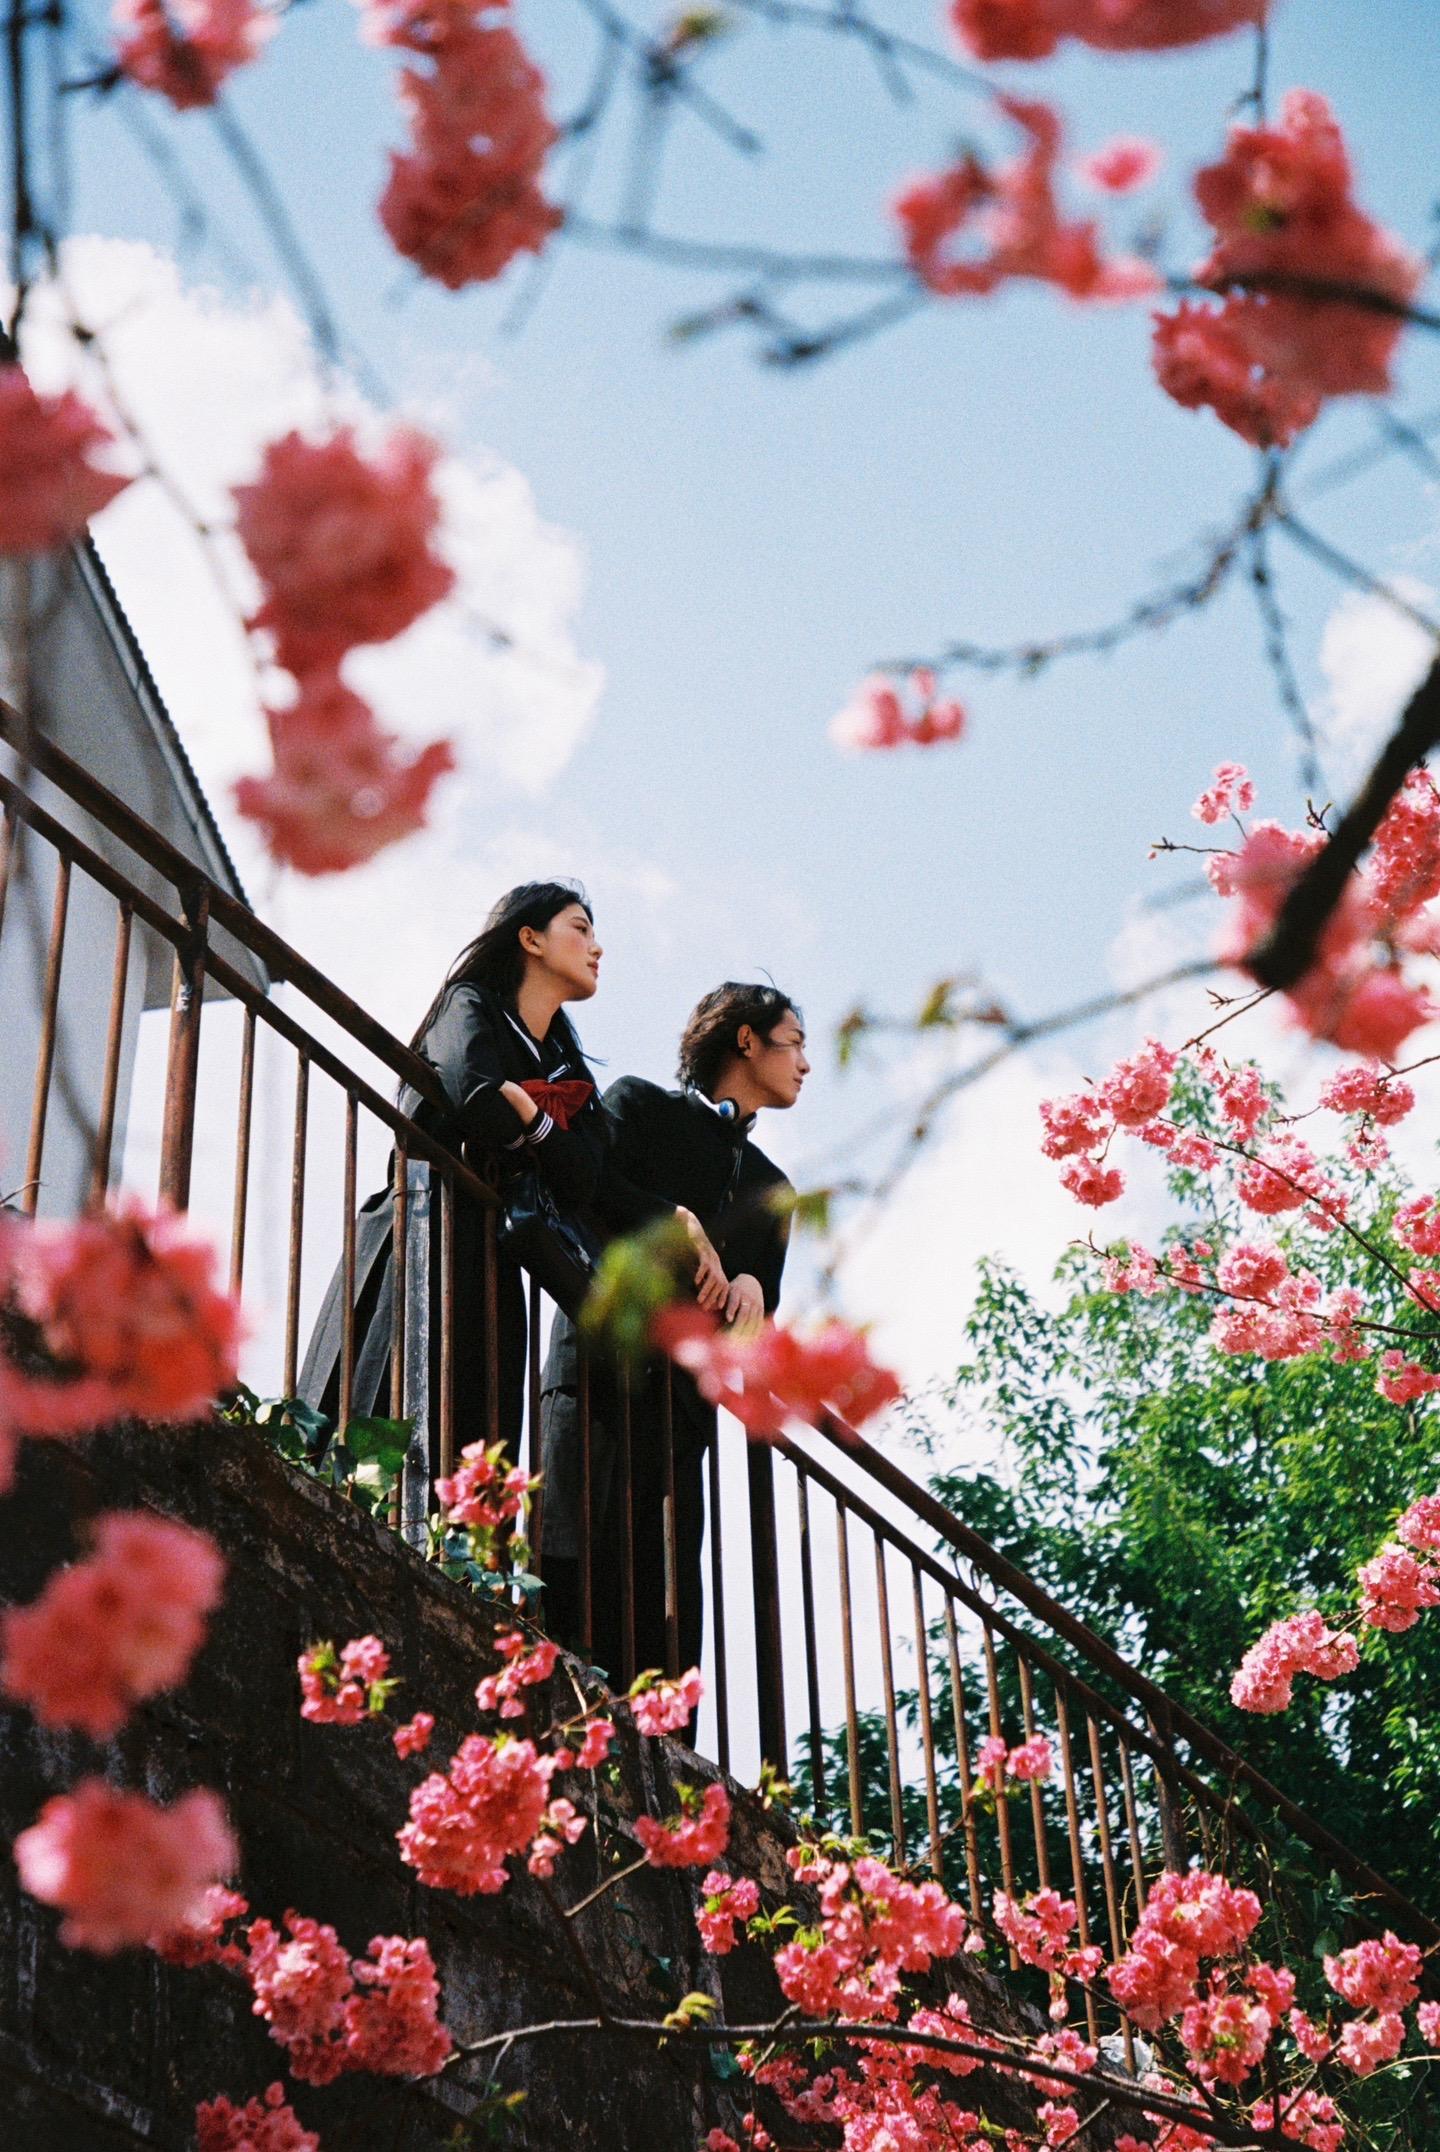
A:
<point x="177" y="1141"/>
<point x="413" y="1345"/>
<point x="765" y="1574"/>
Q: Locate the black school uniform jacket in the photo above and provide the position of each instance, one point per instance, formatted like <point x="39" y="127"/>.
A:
<point x="475" y="1043"/>
<point x="667" y="1148"/>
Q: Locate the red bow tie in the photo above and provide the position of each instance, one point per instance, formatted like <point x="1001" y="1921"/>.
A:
<point x="563" y="1100"/>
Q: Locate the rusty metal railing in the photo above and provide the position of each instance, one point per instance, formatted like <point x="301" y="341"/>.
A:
<point x="857" y="1633"/>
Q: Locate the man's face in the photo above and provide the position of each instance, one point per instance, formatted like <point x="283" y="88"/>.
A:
<point x="777" y="1063"/>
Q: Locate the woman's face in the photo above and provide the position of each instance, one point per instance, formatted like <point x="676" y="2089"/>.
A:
<point x="568" y="951"/>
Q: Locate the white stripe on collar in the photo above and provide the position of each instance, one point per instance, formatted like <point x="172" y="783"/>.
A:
<point x="525" y="1035"/>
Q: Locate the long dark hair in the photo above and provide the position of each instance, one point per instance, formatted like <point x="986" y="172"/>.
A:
<point x="495" y="958"/>
<point x="712" y="1031"/>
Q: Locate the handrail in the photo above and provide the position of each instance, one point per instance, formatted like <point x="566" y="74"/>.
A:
<point x="241" y="989"/>
<point x="227" y="911"/>
<point x="427" y="1314"/>
<point x="1160" y="1706"/>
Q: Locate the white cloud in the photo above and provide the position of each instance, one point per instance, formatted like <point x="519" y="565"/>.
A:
<point x="208" y="380"/>
<point x="1372" y="658"/>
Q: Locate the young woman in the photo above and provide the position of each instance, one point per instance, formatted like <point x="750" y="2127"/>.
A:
<point x="742" y="1051"/>
<point x="496" y="1035"/>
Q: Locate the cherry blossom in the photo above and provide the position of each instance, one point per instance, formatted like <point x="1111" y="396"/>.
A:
<point x="1417" y="1223"/>
<point x="727" y="1900"/>
<point x="341" y="542"/>
<point x="1039" y="1931"/>
<point x="342" y="788"/>
<point x="697" y="1835"/>
<point x="1402" y="1380"/>
<point x="1187" y="1918"/>
<point x="875" y="717"/>
<point x="562" y="1825"/>
<point x="1386" y="1099"/>
<point x="1280" y="205"/>
<point x="465" y="1822"/>
<point x="1366" y="2043"/>
<point x="392" y="2025"/>
<point x="1031" y="29"/>
<point x="664" y="1707"/>
<point x="1396" y="1588"/>
<point x="466" y="198"/>
<point x="127" y="1308"/>
<point x="413" y="1737"/>
<point x="122" y="1868"/>
<point x="301" y="1979"/>
<point x="1231" y="792"/>
<point x="486" y="1492"/>
<point x="1380" y="1973"/>
<point x="1091" y="1183"/>
<point x="264" y="2125"/>
<point x="332" y="2013"/>
<point x="345" y="1689"/>
<point x="1012" y="224"/>
<point x="778" y="1375"/>
<point x="1139" y="1088"/>
<point x="1420" y="1525"/>
<point x="117" y="1627"/>
<point x="186" y="49"/>
<point x="200" y="1938"/>
<point x="1122" y="164"/>
<point x="1301" y="1644"/>
<point x="526" y="1663"/>
<point x="50" y="481"/>
<point x="1072" y="1125"/>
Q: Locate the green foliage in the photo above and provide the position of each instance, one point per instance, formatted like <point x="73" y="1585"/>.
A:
<point x="365" y="1462"/>
<point x="1179" y="1500"/>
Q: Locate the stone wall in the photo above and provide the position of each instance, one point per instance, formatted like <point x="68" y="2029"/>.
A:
<point x="97" y="2054"/>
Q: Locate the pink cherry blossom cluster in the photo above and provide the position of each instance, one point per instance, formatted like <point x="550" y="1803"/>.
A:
<point x="123" y="1319"/>
<point x="695" y="1835"/>
<point x="525" y="1665"/>
<point x="342" y="1689"/>
<point x="727" y="1900"/>
<point x="115" y="1628"/>
<point x="123" y="1868"/>
<point x="1268" y="356"/>
<point x="874" y="1926"/>
<point x="1030" y="1762"/>
<point x="341" y="545"/>
<point x="1356" y="994"/>
<point x="1122" y="165"/>
<point x="466" y="1821"/>
<point x="466" y="197"/>
<point x="593" y="1750"/>
<point x="486" y="1493"/>
<point x="1231" y="792"/>
<point x="1039" y="1930"/>
<point x="1398" y="1583"/>
<point x="186" y="49"/>
<point x="413" y="1738"/>
<point x="1011" y="224"/>
<point x="333" y="2013"/>
<point x="1031" y="29"/>
<point x="778" y="1375"/>
<point x="889" y="2097"/>
<point x="1301" y="1644"/>
<point x="1187" y="1918"/>
<point x="663" y="1707"/>
<point x="876" y="718"/>
<point x="264" y="2125"/>
<point x="55" y="466"/>
<point x="1078" y="1129"/>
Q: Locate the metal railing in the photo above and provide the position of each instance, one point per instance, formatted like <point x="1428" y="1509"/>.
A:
<point x="887" y="1641"/>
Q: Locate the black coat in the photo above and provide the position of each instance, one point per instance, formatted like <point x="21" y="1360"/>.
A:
<point x="672" y="1147"/>
<point x="475" y="1043"/>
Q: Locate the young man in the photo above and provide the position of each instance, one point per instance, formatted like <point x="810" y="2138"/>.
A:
<point x="742" y="1053"/>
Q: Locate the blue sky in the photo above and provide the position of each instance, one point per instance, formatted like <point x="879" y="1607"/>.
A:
<point x="755" y="537"/>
